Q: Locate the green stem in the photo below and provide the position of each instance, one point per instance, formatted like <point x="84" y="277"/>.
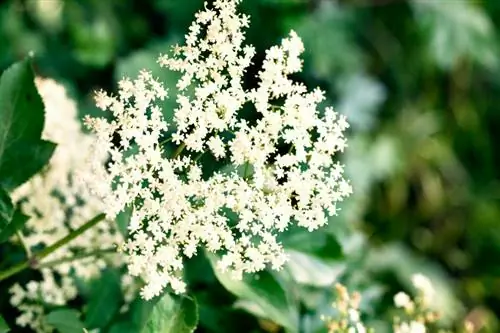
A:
<point x="32" y="262"/>
<point x="165" y="141"/>
<point x="79" y="256"/>
<point x="25" y="246"/>
<point x="179" y="150"/>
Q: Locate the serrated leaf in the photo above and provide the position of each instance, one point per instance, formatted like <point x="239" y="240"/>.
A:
<point x="17" y="221"/>
<point x="265" y="291"/>
<point x="21" y="107"/>
<point x="22" y="153"/>
<point x="32" y="156"/>
<point x="4" y="328"/>
<point x="105" y="299"/>
<point x="173" y="315"/>
<point x="65" y="321"/>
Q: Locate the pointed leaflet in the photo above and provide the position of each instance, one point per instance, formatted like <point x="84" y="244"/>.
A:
<point x="104" y="301"/>
<point x="263" y="290"/>
<point x="22" y="152"/>
<point x="173" y="315"/>
<point x="65" y="321"/>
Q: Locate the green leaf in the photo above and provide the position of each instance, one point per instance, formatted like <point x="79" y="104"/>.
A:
<point x="141" y="311"/>
<point x="336" y="51"/>
<point x="4" y="328"/>
<point x="32" y="156"/>
<point x="123" y="327"/>
<point x="22" y="153"/>
<point x="173" y="315"/>
<point x="21" y="107"/>
<point x="457" y="29"/>
<point x="17" y="222"/>
<point x="65" y="321"/>
<point x="6" y="209"/>
<point x="318" y="243"/>
<point x="265" y="292"/>
<point x="105" y="299"/>
<point x="311" y="270"/>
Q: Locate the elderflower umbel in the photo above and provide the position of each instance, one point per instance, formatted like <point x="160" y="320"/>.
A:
<point x="281" y="166"/>
<point x="57" y="203"/>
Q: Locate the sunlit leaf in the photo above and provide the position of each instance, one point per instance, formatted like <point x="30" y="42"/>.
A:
<point x="65" y="321"/>
<point x="265" y="292"/>
<point x="173" y="315"/>
<point x="104" y="300"/>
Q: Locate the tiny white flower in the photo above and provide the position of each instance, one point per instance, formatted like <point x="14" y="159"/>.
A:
<point x="402" y="300"/>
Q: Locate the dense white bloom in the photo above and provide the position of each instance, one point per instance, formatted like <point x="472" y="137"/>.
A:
<point x="58" y="203"/>
<point x="282" y="161"/>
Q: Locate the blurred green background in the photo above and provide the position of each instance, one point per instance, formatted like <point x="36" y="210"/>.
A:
<point x="419" y="81"/>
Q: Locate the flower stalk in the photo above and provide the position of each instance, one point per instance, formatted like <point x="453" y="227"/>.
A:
<point x="37" y="257"/>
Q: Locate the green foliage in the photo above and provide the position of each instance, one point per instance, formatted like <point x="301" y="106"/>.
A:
<point x="456" y="30"/>
<point x="4" y="328"/>
<point x="9" y="228"/>
<point x="173" y="315"/>
<point x="104" y="301"/>
<point x="22" y="152"/>
<point x="6" y="209"/>
<point x="262" y="295"/>
<point x="65" y="321"/>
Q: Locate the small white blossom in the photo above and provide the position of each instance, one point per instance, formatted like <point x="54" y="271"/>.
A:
<point x="402" y="300"/>
<point x="424" y="286"/>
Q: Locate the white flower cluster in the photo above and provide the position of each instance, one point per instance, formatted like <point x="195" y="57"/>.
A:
<point x="413" y="314"/>
<point x="57" y="203"/>
<point x="287" y="153"/>
<point x="416" y="311"/>
<point x="348" y="317"/>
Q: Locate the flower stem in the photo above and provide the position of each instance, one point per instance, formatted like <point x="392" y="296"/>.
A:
<point x="179" y="150"/>
<point x="25" y="246"/>
<point x="79" y="256"/>
<point x="36" y="257"/>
